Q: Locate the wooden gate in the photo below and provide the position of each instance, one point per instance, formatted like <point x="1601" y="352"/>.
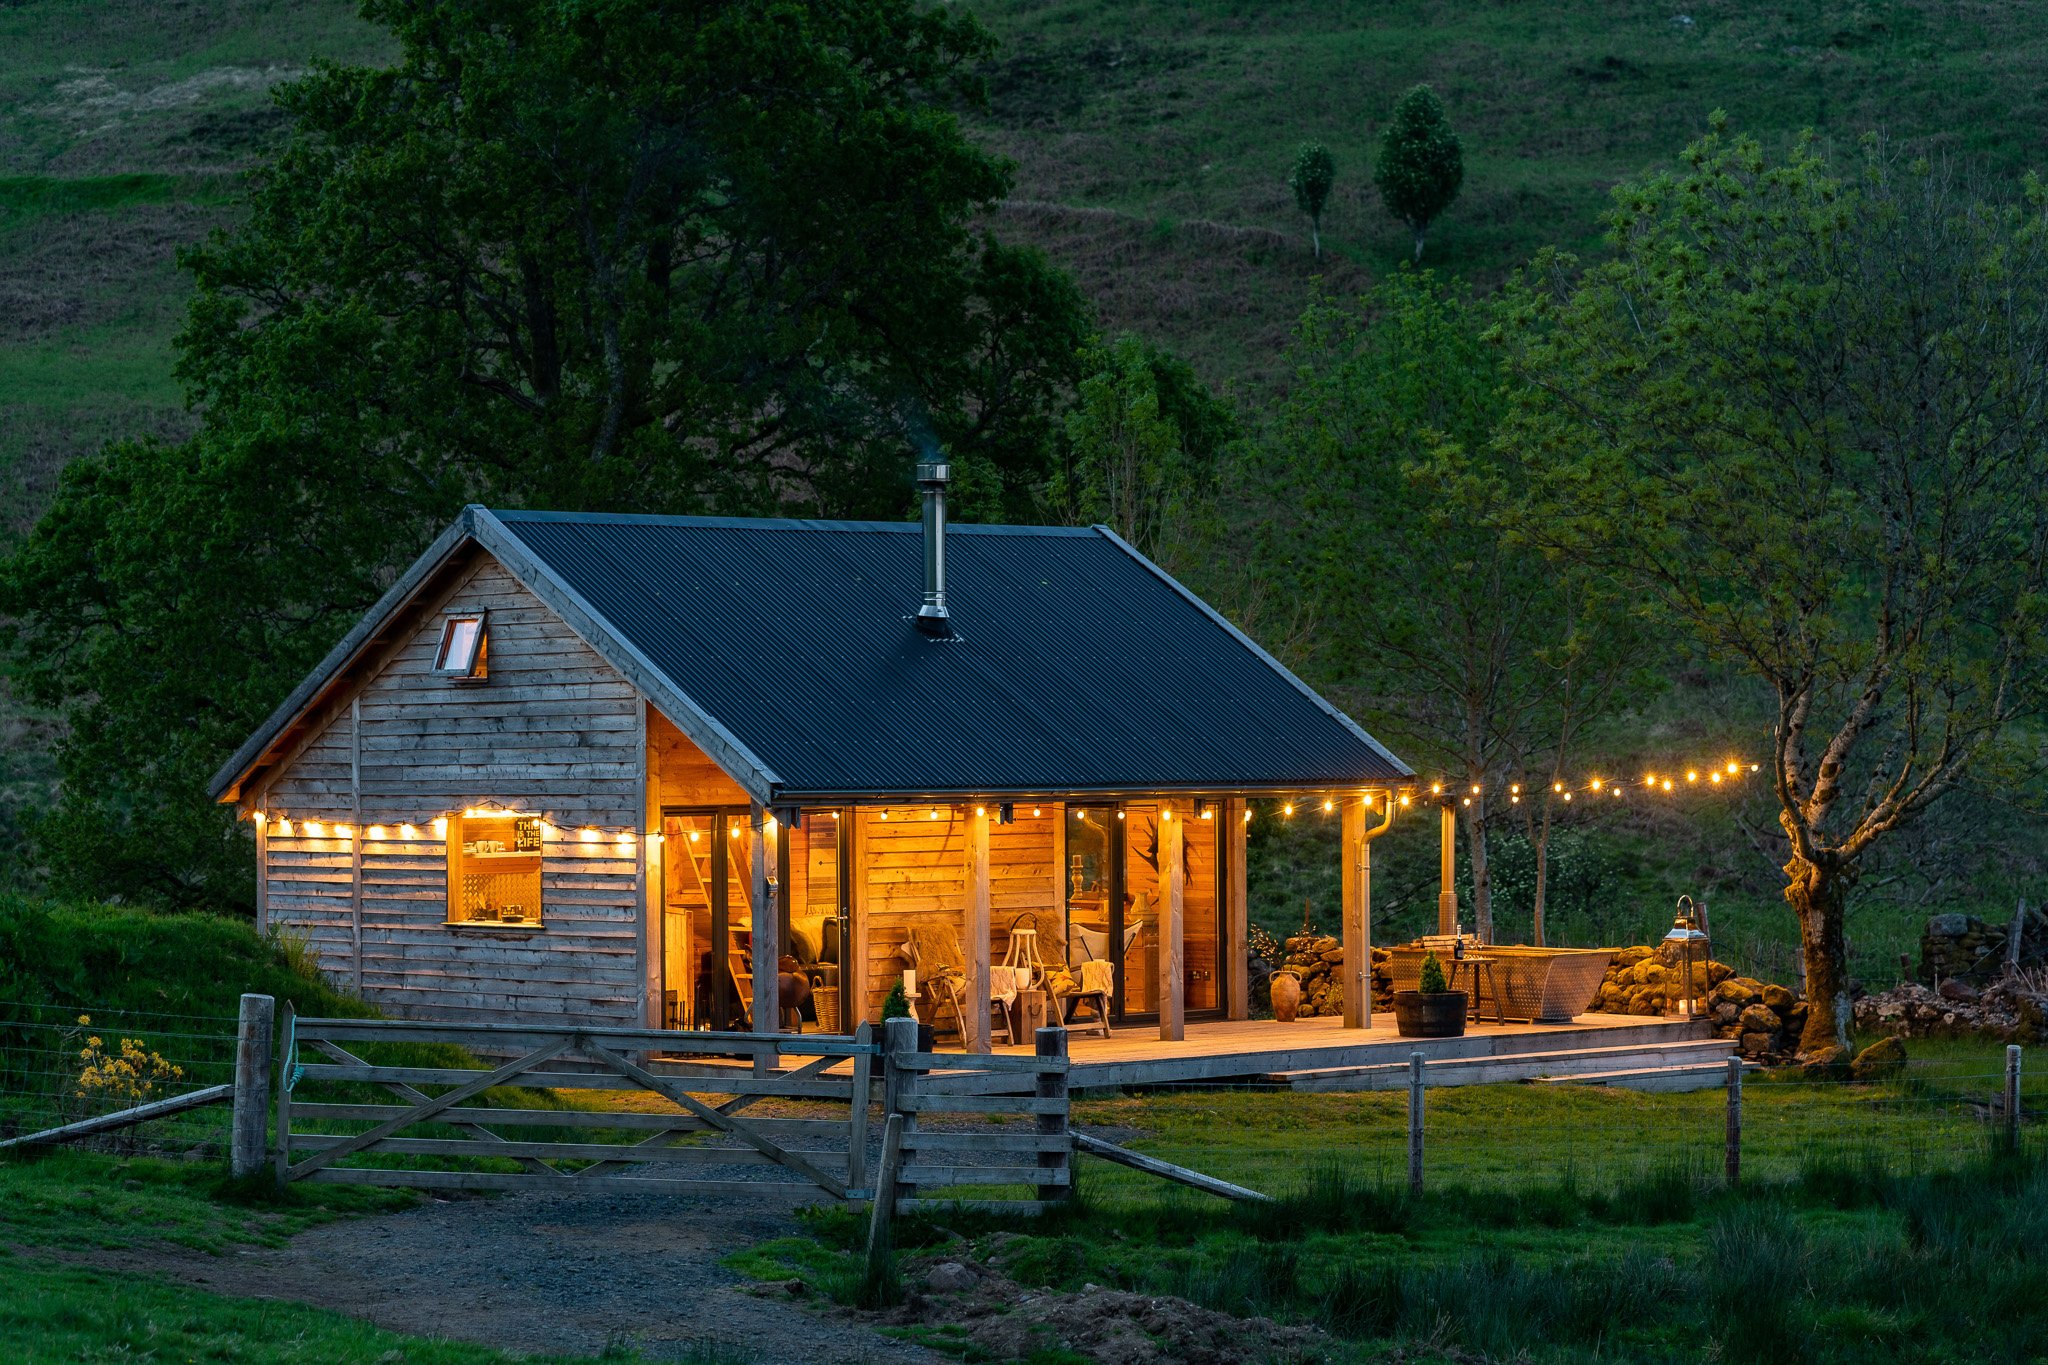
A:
<point x="572" y="1108"/>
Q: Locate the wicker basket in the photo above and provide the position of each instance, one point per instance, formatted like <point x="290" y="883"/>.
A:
<point x="826" y="999"/>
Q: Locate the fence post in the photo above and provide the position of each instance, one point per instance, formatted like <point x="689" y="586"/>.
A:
<point x="2012" y="1097"/>
<point x="287" y="1029"/>
<point x="899" y="1092"/>
<point x="1052" y="1085"/>
<point x="1733" y="1160"/>
<point x="1414" y="1123"/>
<point x="250" y="1127"/>
<point x="882" y="1208"/>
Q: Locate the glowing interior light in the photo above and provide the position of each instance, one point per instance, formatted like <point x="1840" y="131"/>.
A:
<point x="1208" y="815"/>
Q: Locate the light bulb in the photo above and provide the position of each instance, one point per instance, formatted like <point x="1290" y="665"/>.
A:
<point x="408" y="832"/>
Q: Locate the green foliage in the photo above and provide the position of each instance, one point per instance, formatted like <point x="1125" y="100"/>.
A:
<point x="1315" y="171"/>
<point x="119" y="958"/>
<point x="600" y="259"/>
<point x="1142" y="442"/>
<point x="1431" y="981"/>
<point x="1820" y="389"/>
<point x="1377" y="502"/>
<point x="896" y="1005"/>
<point x="1421" y="163"/>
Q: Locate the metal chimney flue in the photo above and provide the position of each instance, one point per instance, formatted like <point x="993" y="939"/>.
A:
<point x="931" y="482"/>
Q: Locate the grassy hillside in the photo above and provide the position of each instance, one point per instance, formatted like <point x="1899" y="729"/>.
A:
<point x="1151" y="141"/>
<point x="1153" y="136"/>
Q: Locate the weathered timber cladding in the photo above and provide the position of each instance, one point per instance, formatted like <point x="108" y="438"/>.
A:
<point x="554" y="732"/>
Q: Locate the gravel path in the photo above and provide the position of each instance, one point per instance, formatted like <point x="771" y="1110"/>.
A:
<point x="568" y="1273"/>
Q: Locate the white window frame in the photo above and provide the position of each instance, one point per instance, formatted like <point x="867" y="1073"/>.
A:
<point x="463" y="656"/>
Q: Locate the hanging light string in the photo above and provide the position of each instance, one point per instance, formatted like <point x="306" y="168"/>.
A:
<point x="1655" y="783"/>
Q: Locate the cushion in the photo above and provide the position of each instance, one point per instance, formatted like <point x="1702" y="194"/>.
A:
<point x="805" y="937"/>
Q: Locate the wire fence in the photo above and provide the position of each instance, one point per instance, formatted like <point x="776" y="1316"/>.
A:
<point x="1514" y="1138"/>
<point x="59" y="1065"/>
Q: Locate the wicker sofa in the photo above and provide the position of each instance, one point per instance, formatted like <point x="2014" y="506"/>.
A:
<point x="1539" y="985"/>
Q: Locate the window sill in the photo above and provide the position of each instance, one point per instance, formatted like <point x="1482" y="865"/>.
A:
<point x="492" y="929"/>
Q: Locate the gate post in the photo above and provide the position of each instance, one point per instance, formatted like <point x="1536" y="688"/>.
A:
<point x="1052" y="1085"/>
<point x="899" y="1092"/>
<point x="250" y="1125"/>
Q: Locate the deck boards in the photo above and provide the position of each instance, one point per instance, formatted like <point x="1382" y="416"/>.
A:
<point x="1224" y="1049"/>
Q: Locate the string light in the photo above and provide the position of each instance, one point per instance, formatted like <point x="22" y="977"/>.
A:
<point x="377" y="832"/>
<point x="1328" y="805"/>
<point x="1287" y="809"/>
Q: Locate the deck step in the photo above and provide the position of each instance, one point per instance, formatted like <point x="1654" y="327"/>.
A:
<point x="1513" y="1066"/>
<point x="1659" y="1079"/>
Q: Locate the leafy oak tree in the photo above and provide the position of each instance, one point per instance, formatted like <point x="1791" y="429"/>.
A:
<point x="1385" y="507"/>
<point x="1803" y="415"/>
<point x="1421" y="163"/>
<point x="708" y="257"/>
<point x="1315" y="171"/>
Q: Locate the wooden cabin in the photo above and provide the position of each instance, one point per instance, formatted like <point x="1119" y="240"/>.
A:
<point x="584" y="767"/>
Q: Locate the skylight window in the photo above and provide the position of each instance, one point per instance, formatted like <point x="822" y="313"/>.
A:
<point x="463" y="648"/>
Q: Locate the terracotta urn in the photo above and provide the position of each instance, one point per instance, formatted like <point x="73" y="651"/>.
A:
<point x="1286" y="996"/>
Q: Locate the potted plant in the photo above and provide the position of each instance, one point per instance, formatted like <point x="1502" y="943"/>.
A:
<point x="1432" y="1010"/>
<point x="896" y="1005"/>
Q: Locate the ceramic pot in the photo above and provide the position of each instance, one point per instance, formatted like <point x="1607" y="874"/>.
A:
<point x="1440" y="1014"/>
<point x="1286" y="988"/>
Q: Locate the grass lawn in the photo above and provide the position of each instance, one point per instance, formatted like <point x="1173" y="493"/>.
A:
<point x="1557" y="1224"/>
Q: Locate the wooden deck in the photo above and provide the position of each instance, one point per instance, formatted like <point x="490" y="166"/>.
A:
<point x="1265" y="1050"/>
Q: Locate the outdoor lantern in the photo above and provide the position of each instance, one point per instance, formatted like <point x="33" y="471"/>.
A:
<point x="1687" y="940"/>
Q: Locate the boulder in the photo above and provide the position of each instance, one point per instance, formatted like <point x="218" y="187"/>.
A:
<point x="1778" y="998"/>
<point x="950" y="1277"/>
<point x="1828" y="1064"/>
<point x="1756" y="1044"/>
<point x="1761" y="1019"/>
<point x="1880" y="1061"/>
<point x="1962" y="992"/>
<point x="1950" y="926"/>
<point x="1717" y="972"/>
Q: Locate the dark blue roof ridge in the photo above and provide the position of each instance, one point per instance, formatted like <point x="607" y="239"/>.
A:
<point x="953" y="527"/>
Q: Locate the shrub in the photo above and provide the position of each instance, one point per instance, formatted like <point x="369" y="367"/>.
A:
<point x="1432" y="981"/>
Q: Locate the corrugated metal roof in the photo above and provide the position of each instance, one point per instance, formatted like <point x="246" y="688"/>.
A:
<point x="1078" y="665"/>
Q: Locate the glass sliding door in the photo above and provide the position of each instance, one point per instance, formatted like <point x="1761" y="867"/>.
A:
<point x="815" y="854"/>
<point x="1202" y="913"/>
<point x="1139" y="908"/>
<point x="707" y="941"/>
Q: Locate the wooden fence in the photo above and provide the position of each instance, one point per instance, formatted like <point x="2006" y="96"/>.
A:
<point x="665" y="1110"/>
<point x="930" y="1098"/>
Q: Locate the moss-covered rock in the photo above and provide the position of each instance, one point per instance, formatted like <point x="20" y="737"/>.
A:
<point x="1880" y="1061"/>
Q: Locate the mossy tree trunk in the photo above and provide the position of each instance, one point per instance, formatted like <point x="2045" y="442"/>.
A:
<point x="1819" y="895"/>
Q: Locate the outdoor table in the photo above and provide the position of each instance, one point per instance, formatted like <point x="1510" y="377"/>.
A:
<point x="1482" y="968"/>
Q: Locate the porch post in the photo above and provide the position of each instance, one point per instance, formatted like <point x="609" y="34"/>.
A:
<point x="766" y="1008"/>
<point x="1447" y="892"/>
<point x="977" y="930"/>
<point x="1357" y="950"/>
<point x="1236" y="915"/>
<point x="1172" y="951"/>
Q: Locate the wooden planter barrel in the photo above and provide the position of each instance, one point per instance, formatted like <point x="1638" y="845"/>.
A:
<point x="1440" y="1014"/>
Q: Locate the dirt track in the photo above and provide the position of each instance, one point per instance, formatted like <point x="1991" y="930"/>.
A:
<point x="546" y="1273"/>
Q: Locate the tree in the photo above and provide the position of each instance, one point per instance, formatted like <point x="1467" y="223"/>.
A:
<point x="1142" y="442"/>
<point x="634" y="256"/>
<point x="1803" y="415"/>
<point x="1380" y="501"/>
<point x="1421" y="163"/>
<point x="1313" y="174"/>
